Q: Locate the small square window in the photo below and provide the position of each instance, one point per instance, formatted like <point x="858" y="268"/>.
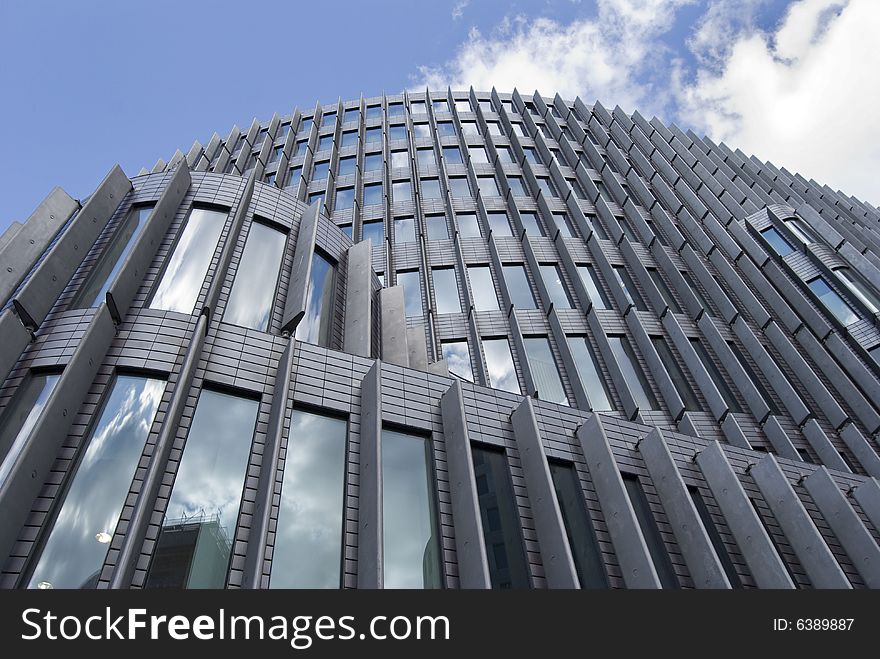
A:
<point x="294" y="177"/>
<point x="351" y="114"/>
<point x="486" y="106"/>
<point x="494" y="128"/>
<point x="458" y="186"/>
<point x="499" y="224"/>
<point x="397" y="132"/>
<point x="395" y="109"/>
<point x="324" y="143"/>
<point x="372" y="162"/>
<point x="517" y="189"/>
<point x="468" y="227"/>
<point x="431" y="189"/>
<point x="347" y="165"/>
<point x="445" y="128"/>
<point x="426" y="158"/>
<point x="373" y="135"/>
<point x="306" y="125"/>
<point x="437" y="229"/>
<point x="504" y="154"/>
<point x="478" y="154"/>
<point x="399" y="159"/>
<point x="452" y="155"/>
<point x="372" y="194"/>
<point x="374" y="231"/>
<point x="404" y="230"/>
<point x="401" y="191"/>
<point x="469" y="129"/>
<point x="441" y="106"/>
<point x="374" y="112"/>
<point x="329" y="119"/>
<point x="319" y="173"/>
<point x="488" y="187"/>
<point x="463" y="105"/>
<point x="417" y="107"/>
<point x="421" y="130"/>
<point x="349" y="138"/>
<point x="344" y="198"/>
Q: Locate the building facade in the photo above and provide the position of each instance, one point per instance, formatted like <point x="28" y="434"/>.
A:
<point x="443" y="340"/>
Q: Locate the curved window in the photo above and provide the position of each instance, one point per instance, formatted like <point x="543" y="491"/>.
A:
<point x="317" y="323"/>
<point x="253" y="291"/>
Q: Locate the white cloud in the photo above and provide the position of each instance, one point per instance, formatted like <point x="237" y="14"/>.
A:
<point x="804" y="96"/>
<point x="458" y="9"/>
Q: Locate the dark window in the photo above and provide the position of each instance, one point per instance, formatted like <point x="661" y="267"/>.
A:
<point x="779" y="244"/>
<point x="632" y="373"/>
<point x="753" y="376"/>
<point x="629" y="288"/>
<point x="665" y="293"/>
<point x="682" y="386"/>
<point x="715" y="374"/>
<point x="650" y="531"/>
<point x="715" y="537"/>
<point x="372" y="135"/>
<point x="349" y="138"/>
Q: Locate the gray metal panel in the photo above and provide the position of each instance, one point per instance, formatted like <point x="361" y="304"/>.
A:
<point x="754" y="544"/>
<point x="860" y="447"/>
<point x="143" y="507"/>
<point x="359" y="299"/>
<point x="297" y="293"/>
<point x="262" y="511"/>
<point x="696" y="547"/>
<point x="9" y="234"/>
<point x="846" y="525"/>
<point x="131" y="274"/>
<point x="782" y="444"/>
<point x="473" y="566"/>
<point x="556" y="555"/>
<point x="417" y="348"/>
<point x="817" y="438"/>
<point x="23" y="247"/>
<point x="868" y="496"/>
<point x="30" y="468"/>
<point x="370" y="551"/>
<point x="37" y="296"/>
<point x="794" y="520"/>
<point x="14" y="338"/>
<point x="623" y="527"/>
<point x="393" y="321"/>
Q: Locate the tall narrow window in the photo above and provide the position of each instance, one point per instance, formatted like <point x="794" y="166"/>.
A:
<point x="560" y="221"/>
<point x="635" y="378"/>
<point x="446" y="290"/>
<point x="412" y="548"/>
<point x="594" y="289"/>
<point x="715" y="537"/>
<point x="650" y="531"/>
<point x="502" y="532"/>
<point x="544" y="370"/>
<point x="468" y="227"/>
<point x="253" y="291"/>
<point x="499" y="364"/>
<point x="181" y="282"/>
<point x="682" y="386"/>
<point x="195" y="542"/>
<point x="104" y="272"/>
<point x="715" y="374"/>
<point x="372" y="194"/>
<point x="20" y="417"/>
<point x="578" y="526"/>
<point x="859" y="289"/>
<point x="308" y="535"/>
<point x="458" y="359"/>
<point x="412" y="292"/>
<point x="665" y="293"/>
<point x="317" y="323"/>
<point x="629" y="288"/>
<point x="776" y="240"/>
<point x="833" y="301"/>
<point x="589" y="373"/>
<point x="482" y="288"/>
<point x="555" y="288"/>
<point x="518" y="287"/>
<point x="753" y="377"/>
<point x="77" y="544"/>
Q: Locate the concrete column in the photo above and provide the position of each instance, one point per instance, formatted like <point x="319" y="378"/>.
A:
<point x="359" y="299"/>
<point x="393" y="320"/>
<point x="370" y="550"/>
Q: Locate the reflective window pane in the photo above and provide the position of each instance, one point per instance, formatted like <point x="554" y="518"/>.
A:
<point x="317" y="323"/>
<point x="859" y="289"/>
<point x="452" y="155"/>
<point x="458" y="186"/>
<point x="181" y="282"/>
<point x="544" y="372"/>
<point x="555" y="287"/>
<point x="77" y="545"/>
<point x="374" y="231"/>
<point x="499" y="224"/>
<point x="103" y="274"/>
<point x="715" y="374"/>
<point x="499" y="365"/>
<point x="665" y="293"/>
<point x="833" y="301"/>
<point x="590" y="374"/>
<point x="629" y="288"/>
<point x="632" y="373"/>
<point x="412" y="552"/>
<point x="397" y="132"/>
<point x="373" y="135"/>
<point x="446" y="290"/>
<point x="487" y="186"/>
<point x="321" y="170"/>
<point x="372" y="162"/>
<point x="404" y="230"/>
<point x="478" y="154"/>
<point x="482" y="288"/>
<point x="253" y="291"/>
<point x="468" y="227"/>
<point x="308" y="536"/>
<point x="458" y="359"/>
<point x="650" y="531"/>
<point x="401" y="191"/>
<point x="344" y="198"/>
<point x="679" y="380"/>
<point x="776" y="240"/>
<point x="502" y="533"/>
<point x="195" y="542"/>
<point x="431" y="189"/>
<point x="437" y="227"/>
<point x="560" y="221"/>
<point x="426" y="157"/>
<point x="518" y="287"/>
<point x="20" y="417"/>
<point x="530" y="224"/>
<point x="412" y="292"/>
<point x="399" y="159"/>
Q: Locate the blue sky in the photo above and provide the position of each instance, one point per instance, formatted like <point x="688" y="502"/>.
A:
<point x="91" y="83"/>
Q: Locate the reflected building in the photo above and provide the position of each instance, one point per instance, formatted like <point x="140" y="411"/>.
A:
<point x="443" y="340"/>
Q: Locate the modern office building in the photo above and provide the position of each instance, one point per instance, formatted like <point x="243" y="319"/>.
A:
<point x="443" y="340"/>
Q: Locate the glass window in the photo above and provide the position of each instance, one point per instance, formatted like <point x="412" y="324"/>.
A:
<point x="195" y="542"/>
<point x="104" y="272"/>
<point x="463" y="105"/>
<point x="629" y="288"/>
<point x="374" y="231"/>
<point x="650" y="531"/>
<point x="478" y="154"/>
<point x="308" y="538"/>
<point x="530" y="223"/>
<point x="560" y="221"/>
<point x="316" y="197"/>
<point x="753" y="377"/>
<point x="776" y="240"/>
<point x="627" y="229"/>
<point x="715" y="374"/>
<point x="468" y="227"/>
<point x="458" y="186"/>
<point x="589" y="373"/>
<point x="293" y="179"/>
<point x="682" y="386"/>
<point x="276" y="154"/>
<point x="531" y="155"/>
<point x="76" y="546"/>
<point x="253" y="291"/>
<point x="437" y="227"/>
<point x="374" y="112"/>
<point x="499" y="364"/>
<point x="545" y="374"/>
<point x="446" y="290"/>
<point x="801" y="230"/>
<point x="552" y="277"/>
<point x="445" y="128"/>
<point x="20" y="417"/>
<point x="348" y="230"/>
<point x="458" y="359"/>
<point x="426" y="157"/>
<point x="504" y="154"/>
<point x="519" y="129"/>
<point x="518" y="287"/>
<point x="859" y="289"/>
<point x="421" y="130"/>
<point x="516" y="186"/>
<point x="632" y="373"/>
<point x="431" y="189"/>
<point x="499" y="224"/>
<point x="321" y="170"/>
<point x="306" y="125"/>
<point x="502" y="534"/>
<point x="482" y="288"/>
<point x="441" y="106"/>
<point x="344" y="198"/>
<point x="488" y="187"/>
<point x="578" y="526"/>
<point x="372" y="194"/>
<point x="404" y="230"/>
<point x="833" y="301"/>
<point x="452" y="155"/>
<point x="412" y="292"/>
<point x="349" y="138"/>
<point x="372" y="162"/>
<point x="324" y="143"/>
<point x="317" y="323"/>
<point x="351" y="114"/>
<point x="411" y="542"/>
<point x="417" y="107"/>
<point x="468" y="129"/>
<point x="397" y="132"/>
<point x="283" y="132"/>
<point x="594" y="289"/>
<point x="546" y="187"/>
<point x="373" y="135"/>
<point x="714" y="536"/>
<point x="269" y="179"/>
<point x="665" y="293"/>
<point x="696" y="291"/>
<point x="395" y="109"/>
<point x="598" y="227"/>
<point x="486" y="105"/>
<point x="400" y="159"/>
<point x="181" y="282"/>
<point x="329" y="119"/>
<point x="401" y="191"/>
